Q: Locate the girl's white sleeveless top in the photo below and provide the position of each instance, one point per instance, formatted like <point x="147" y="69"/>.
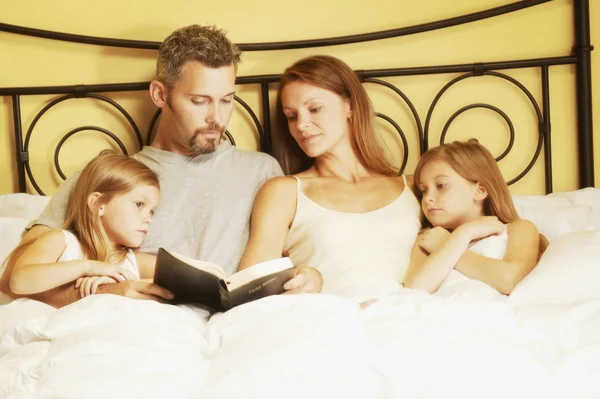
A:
<point x="73" y="251"/>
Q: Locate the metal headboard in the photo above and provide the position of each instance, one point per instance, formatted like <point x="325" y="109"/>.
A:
<point x="580" y="57"/>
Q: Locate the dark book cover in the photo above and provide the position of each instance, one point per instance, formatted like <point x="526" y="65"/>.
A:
<point x="191" y="284"/>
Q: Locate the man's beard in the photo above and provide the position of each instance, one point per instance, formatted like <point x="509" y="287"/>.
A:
<point x="210" y="145"/>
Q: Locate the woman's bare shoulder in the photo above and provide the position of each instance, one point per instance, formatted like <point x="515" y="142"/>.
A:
<point x="278" y="188"/>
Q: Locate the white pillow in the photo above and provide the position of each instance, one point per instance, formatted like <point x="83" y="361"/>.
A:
<point x="11" y="229"/>
<point x="552" y="209"/>
<point x="22" y="205"/>
<point x="16" y="211"/>
<point x="568" y="273"/>
<point x="556" y="220"/>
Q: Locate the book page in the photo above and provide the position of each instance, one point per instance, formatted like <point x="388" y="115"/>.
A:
<point x="261" y="269"/>
<point x="199" y="264"/>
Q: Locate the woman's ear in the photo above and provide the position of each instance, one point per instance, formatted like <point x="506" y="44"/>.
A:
<point x="93" y="201"/>
<point x="480" y="193"/>
<point x="158" y="93"/>
<point x="347" y="108"/>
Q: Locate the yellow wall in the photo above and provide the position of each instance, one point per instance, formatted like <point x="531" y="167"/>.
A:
<point x="545" y="30"/>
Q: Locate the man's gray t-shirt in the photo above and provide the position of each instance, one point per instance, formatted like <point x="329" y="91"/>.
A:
<point x="205" y="201"/>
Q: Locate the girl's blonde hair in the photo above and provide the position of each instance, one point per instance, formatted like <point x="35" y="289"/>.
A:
<point x="110" y="175"/>
<point x="475" y="163"/>
<point x="331" y="74"/>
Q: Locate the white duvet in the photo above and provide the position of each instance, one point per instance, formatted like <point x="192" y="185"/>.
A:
<point x="466" y="341"/>
<point x="469" y="343"/>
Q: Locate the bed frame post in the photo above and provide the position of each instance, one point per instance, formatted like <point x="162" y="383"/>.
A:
<point x="582" y="50"/>
<point x="267" y="141"/>
<point x="22" y="156"/>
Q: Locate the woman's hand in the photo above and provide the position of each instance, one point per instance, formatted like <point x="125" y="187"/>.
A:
<point x="433" y="238"/>
<point x="308" y="280"/>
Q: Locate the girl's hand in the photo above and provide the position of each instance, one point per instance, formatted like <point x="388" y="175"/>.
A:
<point x="88" y="285"/>
<point x="483" y="227"/>
<point x="432" y="239"/>
<point x="116" y="272"/>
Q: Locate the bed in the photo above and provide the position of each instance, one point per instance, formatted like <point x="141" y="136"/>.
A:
<point x="468" y="341"/>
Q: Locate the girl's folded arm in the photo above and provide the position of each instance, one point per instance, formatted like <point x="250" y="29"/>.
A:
<point x="520" y="258"/>
<point x="428" y="272"/>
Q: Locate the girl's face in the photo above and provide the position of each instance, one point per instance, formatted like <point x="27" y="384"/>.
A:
<point x="317" y="118"/>
<point x="449" y="200"/>
<point x="126" y="217"/>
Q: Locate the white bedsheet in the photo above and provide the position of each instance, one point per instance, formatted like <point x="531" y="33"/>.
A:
<point x="468" y="343"/>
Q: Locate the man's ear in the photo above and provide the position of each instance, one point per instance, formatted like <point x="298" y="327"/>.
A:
<point x="480" y="193"/>
<point x="93" y="201"/>
<point x="158" y="93"/>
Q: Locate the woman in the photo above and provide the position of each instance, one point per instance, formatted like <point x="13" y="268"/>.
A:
<point x="343" y="210"/>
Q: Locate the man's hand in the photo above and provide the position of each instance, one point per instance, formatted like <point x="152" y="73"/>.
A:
<point x="137" y="290"/>
<point x="308" y="280"/>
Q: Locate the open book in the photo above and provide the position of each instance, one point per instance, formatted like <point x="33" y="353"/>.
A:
<point x="194" y="281"/>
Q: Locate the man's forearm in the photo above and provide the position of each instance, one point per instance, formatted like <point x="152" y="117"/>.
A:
<point x="56" y="297"/>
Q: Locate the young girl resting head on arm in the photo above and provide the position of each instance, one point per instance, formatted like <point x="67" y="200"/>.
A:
<point x="465" y="202"/>
<point x="107" y="219"/>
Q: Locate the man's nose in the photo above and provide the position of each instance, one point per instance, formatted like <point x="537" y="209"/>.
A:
<point x="214" y="114"/>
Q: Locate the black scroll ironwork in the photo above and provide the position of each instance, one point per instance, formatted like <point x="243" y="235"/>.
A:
<point x="479" y="72"/>
<point x="78" y="94"/>
<point x="580" y="58"/>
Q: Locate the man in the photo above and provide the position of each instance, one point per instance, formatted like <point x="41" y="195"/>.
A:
<point x="207" y="185"/>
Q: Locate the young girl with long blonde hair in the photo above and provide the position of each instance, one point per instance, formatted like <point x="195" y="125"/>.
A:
<point x="473" y="225"/>
<point x="107" y="219"/>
